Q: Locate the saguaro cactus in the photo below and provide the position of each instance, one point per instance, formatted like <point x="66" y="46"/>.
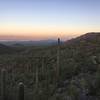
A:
<point x="21" y="91"/>
<point x="58" y="60"/>
<point x="3" y="84"/>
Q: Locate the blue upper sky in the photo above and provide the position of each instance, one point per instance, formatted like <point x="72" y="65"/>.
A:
<point x="67" y="16"/>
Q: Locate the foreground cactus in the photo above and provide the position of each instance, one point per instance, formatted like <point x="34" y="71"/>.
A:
<point x="3" y="85"/>
<point x="21" y="91"/>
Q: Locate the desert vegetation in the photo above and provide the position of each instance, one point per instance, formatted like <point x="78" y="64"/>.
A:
<point x="66" y="71"/>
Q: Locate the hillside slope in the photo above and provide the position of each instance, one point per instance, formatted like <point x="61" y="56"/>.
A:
<point x="87" y="37"/>
<point x="88" y="43"/>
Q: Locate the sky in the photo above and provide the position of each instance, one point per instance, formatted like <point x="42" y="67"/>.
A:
<point x="48" y="19"/>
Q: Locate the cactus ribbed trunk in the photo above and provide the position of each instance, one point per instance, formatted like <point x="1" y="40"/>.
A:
<point x="21" y="91"/>
<point x="3" y="85"/>
<point x="58" y="60"/>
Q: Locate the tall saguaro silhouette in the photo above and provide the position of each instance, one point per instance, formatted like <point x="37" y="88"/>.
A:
<point x="58" y="60"/>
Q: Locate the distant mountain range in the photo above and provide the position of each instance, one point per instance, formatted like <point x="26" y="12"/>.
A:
<point x="29" y="43"/>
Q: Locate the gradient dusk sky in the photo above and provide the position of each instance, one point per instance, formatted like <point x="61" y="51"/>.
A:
<point x="47" y="19"/>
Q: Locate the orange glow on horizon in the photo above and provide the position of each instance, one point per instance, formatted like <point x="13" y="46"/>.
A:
<point x="29" y="32"/>
<point x="37" y="36"/>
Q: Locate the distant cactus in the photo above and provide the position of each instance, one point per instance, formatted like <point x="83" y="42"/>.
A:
<point x="21" y="91"/>
<point x="3" y="85"/>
